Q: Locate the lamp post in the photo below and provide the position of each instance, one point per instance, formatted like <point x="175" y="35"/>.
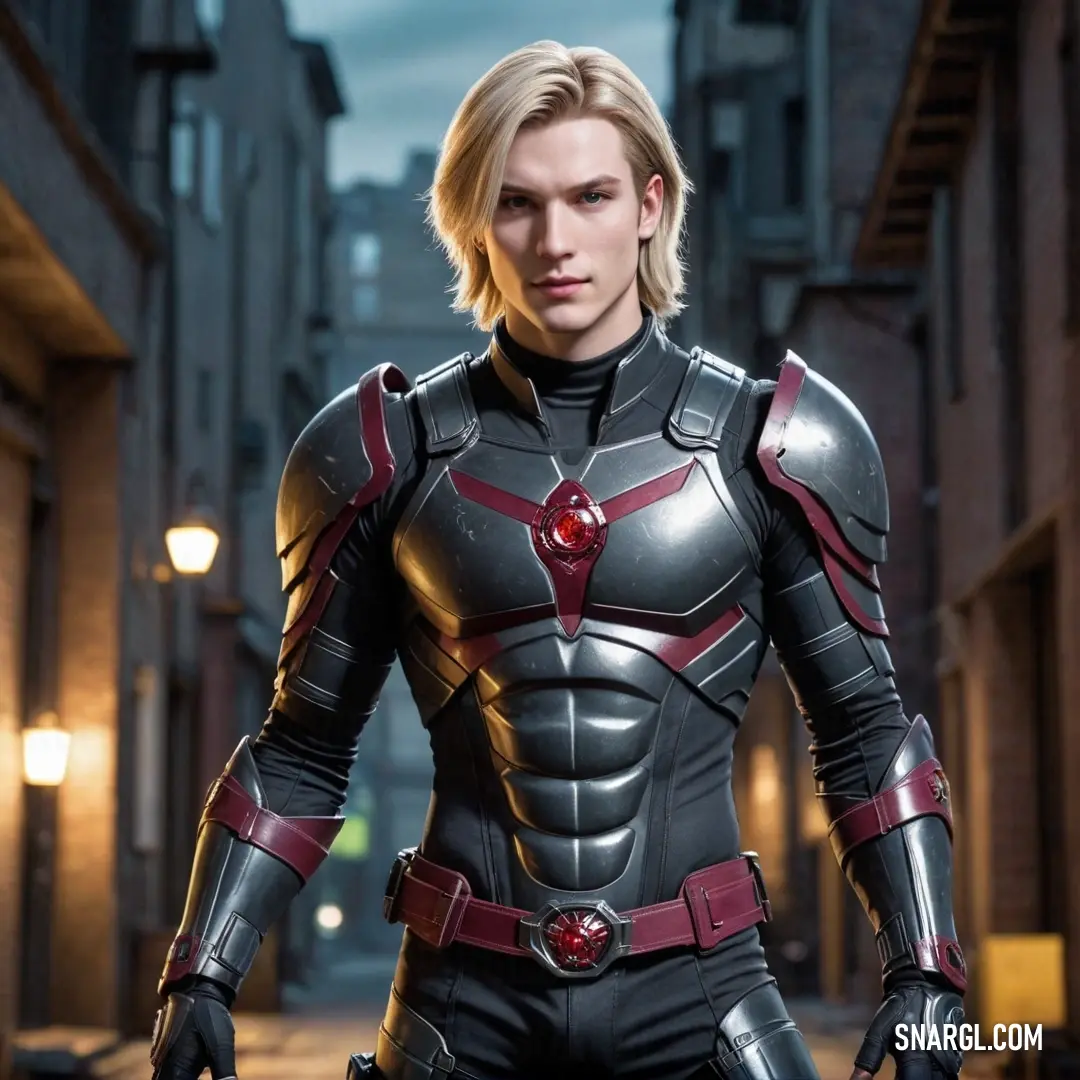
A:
<point x="45" y="748"/>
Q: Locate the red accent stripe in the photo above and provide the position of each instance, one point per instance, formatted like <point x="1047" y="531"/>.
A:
<point x="942" y="954"/>
<point x="179" y="961"/>
<point x="300" y="843"/>
<point x="679" y="653"/>
<point x="494" y="498"/>
<point x="788" y="388"/>
<point x="308" y="615"/>
<point x="914" y="795"/>
<point x="832" y="542"/>
<point x="371" y="411"/>
<point x="637" y="498"/>
<point x="835" y="573"/>
<point x="618" y="506"/>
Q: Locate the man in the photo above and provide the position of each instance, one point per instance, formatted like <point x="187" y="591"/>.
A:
<point x="579" y="545"/>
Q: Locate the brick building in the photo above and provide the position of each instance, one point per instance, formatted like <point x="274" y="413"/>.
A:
<point x="780" y="112"/>
<point x="148" y="358"/>
<point x="75" y="262"/>
<point x="977" y="191"/>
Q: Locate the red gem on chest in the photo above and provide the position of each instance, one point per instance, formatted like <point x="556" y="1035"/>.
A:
<point x="570" y="528"/>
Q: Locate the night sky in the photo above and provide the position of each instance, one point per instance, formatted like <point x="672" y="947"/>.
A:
<point x="406" y="64"/>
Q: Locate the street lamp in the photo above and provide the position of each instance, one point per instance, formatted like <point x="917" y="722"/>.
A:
<point x="45" y="751"/>
<point x="193" y="541"/>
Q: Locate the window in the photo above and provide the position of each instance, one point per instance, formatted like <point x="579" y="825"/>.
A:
<point x="945" y="313"/>
<point x="366" y="255"/>
<point x="365" y="302"/>
<point x="304" y="254"/>
<point x="212" y="210"/>
<point x="210" y="14"/>
<point x="184" y="151"/>
<point x="290" y="197"/>
<point x="794" y="152"/>
<point x="247" y="157"/>
<point x="204" y="400"/>
<point x="782" y="12"/>
<point x="718" y="172"/>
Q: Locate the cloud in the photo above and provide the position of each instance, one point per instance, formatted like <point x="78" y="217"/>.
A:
<point x="405" y="64"/>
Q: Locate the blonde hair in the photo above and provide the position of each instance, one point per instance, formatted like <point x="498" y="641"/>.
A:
<point x="538" y="84"/>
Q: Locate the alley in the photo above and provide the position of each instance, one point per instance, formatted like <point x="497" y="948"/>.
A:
<point x="317" y="1048"/>
<point x="276" y="1047"/>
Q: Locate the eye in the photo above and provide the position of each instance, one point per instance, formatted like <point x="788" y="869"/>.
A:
<point x="594" y="198"/>
<point x="514" y="202"/>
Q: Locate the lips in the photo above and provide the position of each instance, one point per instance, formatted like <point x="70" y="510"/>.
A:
<point x="561" y="288"/>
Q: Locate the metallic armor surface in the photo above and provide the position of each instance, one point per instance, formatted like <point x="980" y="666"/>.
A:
<point x="574" y="753"/>
<point x="238" y="890"/>
<point x="581" y="630"/>
<point x="911" y="914"/>
<point x="828" y="448"/>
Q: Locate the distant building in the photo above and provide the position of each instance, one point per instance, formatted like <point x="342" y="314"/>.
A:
<point x="152" y="362"/>
<point x="391" y="281"/>
<point x="246" y="339"/>
<point x="781" y="107"/>
<point x="389" y="284"/>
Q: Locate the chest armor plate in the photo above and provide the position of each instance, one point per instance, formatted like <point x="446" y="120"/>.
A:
<point x="571" y="595"/>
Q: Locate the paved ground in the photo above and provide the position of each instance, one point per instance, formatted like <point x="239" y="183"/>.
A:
<point x="317" y="1047"/>
<point x="339" y="1015"/>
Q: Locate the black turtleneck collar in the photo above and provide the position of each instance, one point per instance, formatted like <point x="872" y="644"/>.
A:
<point x="568" y="382"/>
<point x="545" y="384"/>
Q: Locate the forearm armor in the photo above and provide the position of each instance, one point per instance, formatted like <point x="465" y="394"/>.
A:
<point x="896" y="850"/>
<point x="249" y="865"/>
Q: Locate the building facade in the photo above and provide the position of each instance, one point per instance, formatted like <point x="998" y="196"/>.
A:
<point x="151" y="361"/>
<point x="248" y="330"/>
<point x="75" y="317"/>
<point x="977" y="192"/>
<point x="780" y="111"/>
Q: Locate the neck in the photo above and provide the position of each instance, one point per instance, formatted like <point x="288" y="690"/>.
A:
<point x="617" y="324"/>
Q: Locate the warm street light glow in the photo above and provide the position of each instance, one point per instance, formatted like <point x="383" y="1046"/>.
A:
<point x="192" y="544"/>
<point x="45" y="752"/>
<point x="329" y="917"/>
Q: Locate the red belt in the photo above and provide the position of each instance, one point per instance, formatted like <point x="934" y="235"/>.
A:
<point x="576" y="939"/>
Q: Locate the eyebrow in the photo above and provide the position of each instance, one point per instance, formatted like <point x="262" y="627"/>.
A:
<point x="596" y="182"/>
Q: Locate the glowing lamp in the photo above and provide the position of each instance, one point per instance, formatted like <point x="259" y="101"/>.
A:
<point x="329" y="917"/>
<point x="45" y="752"/>
<point x="193" y="543"/>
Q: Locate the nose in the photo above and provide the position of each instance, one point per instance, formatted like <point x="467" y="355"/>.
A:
<point x="553" y="239"/>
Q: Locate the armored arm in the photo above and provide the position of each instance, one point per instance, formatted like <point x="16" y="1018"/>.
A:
<point x="877" y="775"/>
<point x="269" y="820"/>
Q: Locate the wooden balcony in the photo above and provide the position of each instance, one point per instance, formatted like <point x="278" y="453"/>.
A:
<point x="930" y="127"/>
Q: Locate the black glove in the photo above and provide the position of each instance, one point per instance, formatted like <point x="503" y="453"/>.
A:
<point x="918" y="1004"/>
<point x="193" y="1031"/>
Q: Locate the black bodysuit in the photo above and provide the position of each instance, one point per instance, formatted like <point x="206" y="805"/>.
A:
<point x="652" y="1016"/>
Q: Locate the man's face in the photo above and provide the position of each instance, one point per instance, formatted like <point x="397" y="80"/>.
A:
<point x="563" y="244"/>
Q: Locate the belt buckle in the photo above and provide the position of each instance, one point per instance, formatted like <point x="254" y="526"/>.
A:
<point x="393" y="882"/>
<point x="761" y="895"/>
<point x="576" y="941"/>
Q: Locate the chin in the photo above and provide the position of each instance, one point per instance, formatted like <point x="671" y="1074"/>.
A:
<point x="566" y="318"/>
